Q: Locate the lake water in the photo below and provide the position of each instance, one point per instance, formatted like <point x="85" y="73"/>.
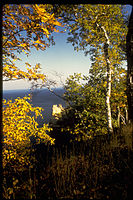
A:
<point x="41" y="98"/>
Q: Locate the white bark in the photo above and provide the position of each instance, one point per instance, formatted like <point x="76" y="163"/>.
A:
<point x="108" y="92"/>
<point x="119" y="116"/>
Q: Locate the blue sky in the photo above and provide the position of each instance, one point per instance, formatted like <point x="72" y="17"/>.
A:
<point x="58" y="61"/>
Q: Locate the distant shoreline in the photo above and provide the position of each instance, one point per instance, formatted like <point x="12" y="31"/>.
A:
<point x="30" y="90"/>
<point x="41" y="98"/>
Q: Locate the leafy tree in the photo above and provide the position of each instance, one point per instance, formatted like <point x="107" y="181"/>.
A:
<point x="88" y="102"/>
<point x="19" y="128"/>
<point x="99" y="30"/>
<point x="24" y="27"/>
<point x="85" y="117"/>
<point x="97" y="78"/>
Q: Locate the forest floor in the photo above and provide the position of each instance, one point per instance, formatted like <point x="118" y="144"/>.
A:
<point x="102" y="169"/>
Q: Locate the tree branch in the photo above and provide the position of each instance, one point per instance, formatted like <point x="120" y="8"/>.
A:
<point x="12" y="79"/>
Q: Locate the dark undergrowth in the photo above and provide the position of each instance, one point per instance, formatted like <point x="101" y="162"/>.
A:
<point x="101" y="168"/>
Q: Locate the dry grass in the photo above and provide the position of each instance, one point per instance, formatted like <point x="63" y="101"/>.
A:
<point x="93" y="170"/>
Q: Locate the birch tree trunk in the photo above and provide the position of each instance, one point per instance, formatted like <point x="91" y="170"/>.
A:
<point x="108" y="92"/>
<point x="119" y="116"/>
<point x="108" y="89"/>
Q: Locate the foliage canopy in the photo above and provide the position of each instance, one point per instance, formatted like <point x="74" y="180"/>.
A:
<point x="24" y="27"/>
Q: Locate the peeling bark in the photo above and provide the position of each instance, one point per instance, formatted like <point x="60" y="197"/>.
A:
<point x="108" y="91"/>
